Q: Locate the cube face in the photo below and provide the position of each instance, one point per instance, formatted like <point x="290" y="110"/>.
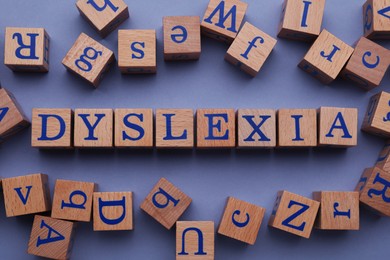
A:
<point x="376" y="22"/>
<point x="181" y="37"/>
<point x="250" y="49"/>
<point x="166" y="203"/>
<point x="241" y="220"/>
<point x="88" y="59"/>
<point x="383" y="161"/>
<point x="27" y="49"/>
<point x="377" y="118"/>
<point x="25" y="195"/>
<point x="137" y="51"/>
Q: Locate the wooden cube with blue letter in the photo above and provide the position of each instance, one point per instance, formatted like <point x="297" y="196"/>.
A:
<point x="88" y="59"/>
<point x="27" y="49"/>
<point x="376" y="19"/>
<point x="195" y="240"/>
<point x="326" y="57"/>
<point x="25" y="195"/>
<point x="383" y="161"/>
<point x="112" y="211"/>
<point x="103" y="15"/>
<point x="250" y="49"/>
<point x="377" y="118"/>
<point x="137" y="51"/>
<point x="166" y="203"/>
<point x="181" y="37"/>
<point x="223" y="18"/>
<point x="338" y="210"/>
<point x="241" y="220"/>
<point x="51" y="238"/>
<point x="294" y="214"/>
<point x="72" y="200"/>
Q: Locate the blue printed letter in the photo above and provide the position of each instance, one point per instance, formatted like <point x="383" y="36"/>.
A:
<point x="330" y="55"/>
<point x="200" y="241"/>
<point x="240" y="224"/>
<point x="367" y="64"/>
<point x="73" y="205"/>
<point x="252" y="44"/>
<point x="256" y="128"/>
<point x="22" y="198"/>
<point x="50" y="238"/>
<point x="61" y="132"/>
<point x="216" y="126"/>
<point x="3" y="112"/>
<point x="221" y="9"/>
<point x="102" y="8"/>
<point x="305" y="11"/>
<point x="297" y="128"/>
<point x="169" y="135"/>
<point x="380" y="192"/>
<point x="114" y="203"/>
<point x="342" y="126"/>
<point x="140" y="52"/>
<point x="91" y="128"/>
<point x="336" y="212"/>
<point x="22" y="46"/>
<point x="167" y="197"/>
<point x="288" y="220"/>
<point x="84" y="59"/>
<point x="179" y="38"/>
<point x="135" y="127"/>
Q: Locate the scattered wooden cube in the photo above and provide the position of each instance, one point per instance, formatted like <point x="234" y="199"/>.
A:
<point x="88" y="59"/>
<point x="105" y="17"/>
<point x="337" y="126"/>
<point x="27" y="49"/>
<point x="326" y="57"/>
<point x="297" y="128"/>
<point x="181" y="38"/>
<point x="250" y="49"/>
<point x="338" y="210"/>
<point x="377" y="118"/>
<point x="51" y="238"/>
<point x="241" y="220"/>
<point x="383" y="161"/>
<point x="73" y="200"/>
<point x="166" y="203"/>
<point x="195" y="240"/>
<point x="25" y="195"/>
<point x="294" y="214"/>
<point x="137" y="51"/>
<point x="376" y="19"/>
<point x="222" y="19"/>
<point x="112" y="211"/>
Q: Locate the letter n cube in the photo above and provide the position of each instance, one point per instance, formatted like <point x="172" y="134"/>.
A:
<point x="377" y="118"/>
<point x="376" y="19"/>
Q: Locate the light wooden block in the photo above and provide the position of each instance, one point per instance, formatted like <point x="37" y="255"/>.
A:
<point x="250" y="49"/>
<point x="377" y="118"/>
<point x="88" y="59"/>
<point x="112" y="211"/>
<point x="337" y="126"/>
<point x="297" y="128"/>
<point x="232" y="13"/>
<point x="338" y="210"/>
<point x="137" y="51"/>
<point x="376" y="19"/>
<point x="301" y="20"/>
<point x="166" y="203"/>
<point x="25" y="195"/>
<point x="256" y="128"/>
<point x="133" y="128"/>
<point x="27" y="49"/>
<point x="104" y="16"/>
<point x="174" y="128"/>
<point x="51" y="238"/>
<point x="181" y="38"/>
<point x="93" y="128"/>
<point x="326" y="57"/>
<point x="195" y="240"/>
<point x="72" y="200"/>
<point x="52" y="128"/>
<point x="216" y="128"/>
<point x="294" y="214"/>
<point x="241" y="220"/>
<point x="383" y="161"/>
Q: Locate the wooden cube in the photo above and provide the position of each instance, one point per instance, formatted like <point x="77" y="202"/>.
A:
<point x="294" y="214"/>
<point x="52" y="128"/>
<point x="137" y="51"/>
<point x="301" y="20"/>
<point x="166" y="203"/>
<point x="88" y="59"/>
<point x="12" y="118"/>
<point x="93" y="128"/>
<point x="256" y="128"/>
<point x="112" y="211"/>
<point x="26" y="49"/>
<point x="51" y="238"/>
<point x="195" y="240"/>
<point x="250" y="49"/>
<point x="383" y="161"/>
<point x="376" y="19"/>
<point x="326" y="57"/>
<point x="104" y="17"/>
<point x="216" y="128"/>
<point x="25" y="195"/>
<point x="337" y="126"/>
<point x="368" y="64"/>
<point x="174" y="128"/>
<point x="377" y="118"/>
<point x="241" y="220"/>
<point x="133" y="128"/>
<point x="297" y="128"/>
<point x="73" y="200"/>
<point x="338" y="210"/>
<point x="222" y="19"/>
<point x="181" y="38"/>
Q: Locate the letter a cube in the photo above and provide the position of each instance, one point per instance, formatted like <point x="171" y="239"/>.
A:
<point x="377" y="118"/>
<point x="383" y="161"/>
<point x="376" y="19"/>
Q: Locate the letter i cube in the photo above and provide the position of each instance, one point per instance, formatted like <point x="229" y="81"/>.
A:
<point x="376" y="19"/>
<point x="377" y="118"/>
